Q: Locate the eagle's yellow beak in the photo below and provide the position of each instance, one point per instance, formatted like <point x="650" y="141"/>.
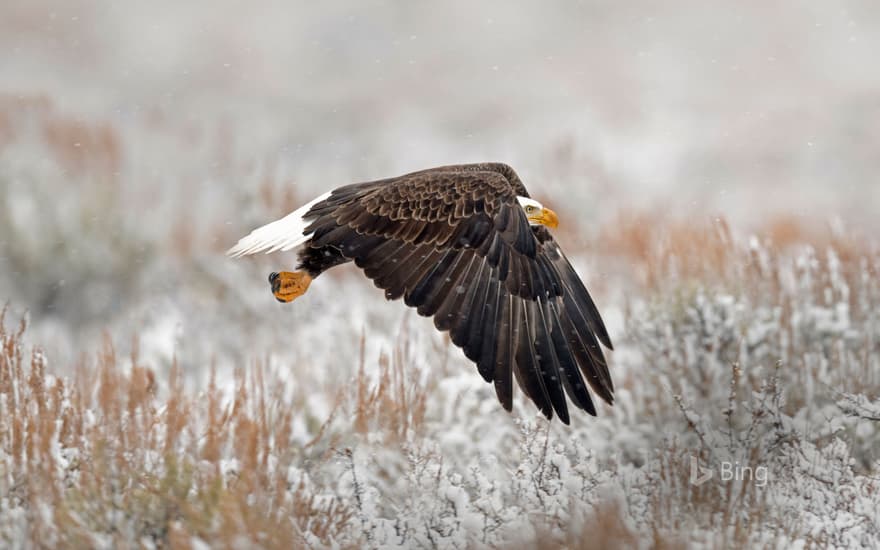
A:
<point x="546" y="217"/>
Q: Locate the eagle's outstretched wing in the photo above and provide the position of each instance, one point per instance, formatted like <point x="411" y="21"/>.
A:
<point x="454" y="243"/>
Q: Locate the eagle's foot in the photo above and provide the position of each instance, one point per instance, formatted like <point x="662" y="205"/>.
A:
<point x="288" y="286"/>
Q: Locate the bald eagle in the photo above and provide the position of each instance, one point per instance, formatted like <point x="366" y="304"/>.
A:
<point x="466" y="245"/>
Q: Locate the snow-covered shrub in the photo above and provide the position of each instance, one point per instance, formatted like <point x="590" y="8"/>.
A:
<point x="807" y="321"/>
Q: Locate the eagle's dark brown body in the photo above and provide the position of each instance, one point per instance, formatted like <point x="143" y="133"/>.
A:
<point x="455" y="244"/>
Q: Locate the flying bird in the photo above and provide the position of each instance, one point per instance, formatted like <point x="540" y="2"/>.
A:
<point x="467" y="246"/>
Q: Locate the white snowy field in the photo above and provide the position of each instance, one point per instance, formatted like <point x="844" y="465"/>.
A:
<point x="715" y="172"/>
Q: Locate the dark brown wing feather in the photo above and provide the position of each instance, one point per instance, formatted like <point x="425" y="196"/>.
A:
<point x="454" y="243"/>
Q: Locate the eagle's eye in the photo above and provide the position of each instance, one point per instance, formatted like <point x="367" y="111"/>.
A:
<point x="530" y="209"/>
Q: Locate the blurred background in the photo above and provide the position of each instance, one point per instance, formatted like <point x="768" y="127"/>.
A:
<point x="139" y="140"/>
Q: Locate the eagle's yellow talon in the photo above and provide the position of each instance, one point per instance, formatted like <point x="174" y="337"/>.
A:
<point x="287" y="286"/>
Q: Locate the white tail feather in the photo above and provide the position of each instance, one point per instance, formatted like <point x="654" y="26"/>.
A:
<point x="284" y="234"/>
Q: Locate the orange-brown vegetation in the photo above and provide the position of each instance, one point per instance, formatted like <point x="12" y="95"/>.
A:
<point x="105" y="452"/>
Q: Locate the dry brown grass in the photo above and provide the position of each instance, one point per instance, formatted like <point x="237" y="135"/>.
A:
<point x="393" y="404"/>
<point x="660" y="251"/>
<point x="655" y="248"/>
<point x="105" y="453"/>
<point x="81" y="147"/>
<point x="785" y="266"/>
<point x="606" y="528"/>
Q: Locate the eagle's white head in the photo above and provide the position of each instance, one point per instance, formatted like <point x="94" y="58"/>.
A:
<point x="537" y="214"/>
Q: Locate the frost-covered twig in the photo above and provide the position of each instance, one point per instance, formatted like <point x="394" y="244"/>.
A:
<point x="358" y="496"/>
<point x="859" y="406"/>
<point x="692" y="422"/>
